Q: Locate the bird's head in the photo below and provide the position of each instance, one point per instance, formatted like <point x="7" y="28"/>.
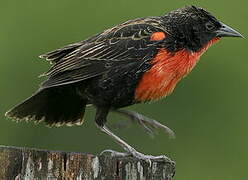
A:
<point x="192" y="28"/>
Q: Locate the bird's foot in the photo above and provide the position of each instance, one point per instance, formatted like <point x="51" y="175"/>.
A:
<point x="136" y="154"/>
<point x="148" y="124"/>
<point x="149" y="158"/>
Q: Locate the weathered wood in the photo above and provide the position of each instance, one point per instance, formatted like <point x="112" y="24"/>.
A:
<point x="33" y="164"/>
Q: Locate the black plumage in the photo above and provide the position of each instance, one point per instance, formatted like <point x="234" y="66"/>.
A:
<point x="105" y="69"/>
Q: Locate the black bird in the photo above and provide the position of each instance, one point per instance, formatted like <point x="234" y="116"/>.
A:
<point x="137" y="61"/>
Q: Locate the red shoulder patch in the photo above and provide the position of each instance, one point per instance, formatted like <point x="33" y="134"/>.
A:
<point x="157" y="36"/>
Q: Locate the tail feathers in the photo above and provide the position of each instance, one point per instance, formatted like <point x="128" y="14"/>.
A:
<point x="55" y="106"/>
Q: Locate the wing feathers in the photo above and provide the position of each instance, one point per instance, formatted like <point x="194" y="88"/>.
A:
<point x="125" y="43"/>
<point x="58" y="54"/>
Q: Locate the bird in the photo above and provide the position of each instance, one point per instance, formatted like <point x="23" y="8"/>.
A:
<point x="137" y="61"/>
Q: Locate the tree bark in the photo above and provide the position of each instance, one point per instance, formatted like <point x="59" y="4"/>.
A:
<point x="32" y="164"/>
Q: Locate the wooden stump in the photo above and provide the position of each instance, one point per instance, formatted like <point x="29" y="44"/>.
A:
<point x="33" y="164"/>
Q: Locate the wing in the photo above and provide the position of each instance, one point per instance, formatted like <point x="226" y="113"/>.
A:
<point x="123" y="44"/>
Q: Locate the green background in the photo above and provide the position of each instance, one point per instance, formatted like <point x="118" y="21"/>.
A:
<point x="208" y="109"/>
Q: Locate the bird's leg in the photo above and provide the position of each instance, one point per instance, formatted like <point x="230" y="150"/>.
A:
<point x="101" y="120"/>
<point x="143" y="120"/>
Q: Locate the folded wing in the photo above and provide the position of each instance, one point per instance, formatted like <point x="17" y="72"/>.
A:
<point x="118" y="46"/>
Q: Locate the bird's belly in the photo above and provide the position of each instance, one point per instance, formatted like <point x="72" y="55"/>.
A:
<point x="154" y="86"/>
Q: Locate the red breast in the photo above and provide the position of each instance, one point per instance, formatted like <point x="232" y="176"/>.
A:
<point x="167" y="70"/>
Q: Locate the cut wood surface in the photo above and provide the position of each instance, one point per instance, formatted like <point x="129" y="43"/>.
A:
<point x="34" y="164"/>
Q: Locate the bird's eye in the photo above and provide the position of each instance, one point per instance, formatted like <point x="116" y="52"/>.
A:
<point x="209" y="26"/>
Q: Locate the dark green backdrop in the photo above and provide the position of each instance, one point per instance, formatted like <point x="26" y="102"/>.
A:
<point x="208" y="109"/>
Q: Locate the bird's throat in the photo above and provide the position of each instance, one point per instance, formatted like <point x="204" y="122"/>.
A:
<point x="166" y="71"/>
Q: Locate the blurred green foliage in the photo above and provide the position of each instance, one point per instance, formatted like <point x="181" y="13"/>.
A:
<point x="208" y="109"/>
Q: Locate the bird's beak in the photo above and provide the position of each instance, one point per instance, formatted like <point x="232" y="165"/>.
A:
<point x="226" y="31"/>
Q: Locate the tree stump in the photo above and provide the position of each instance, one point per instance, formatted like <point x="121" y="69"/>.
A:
<point x="33" y="164"/>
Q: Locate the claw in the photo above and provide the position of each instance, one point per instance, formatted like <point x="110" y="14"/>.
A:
<point x="136" y="154"/>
